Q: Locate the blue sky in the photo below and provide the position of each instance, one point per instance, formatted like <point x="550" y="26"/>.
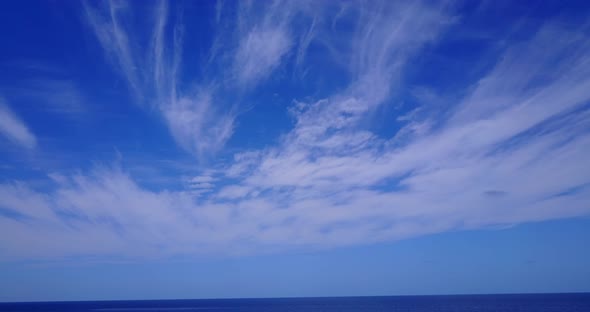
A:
<point x="151" y="148"/>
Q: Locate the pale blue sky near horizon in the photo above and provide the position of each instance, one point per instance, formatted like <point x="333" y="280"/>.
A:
<point x="546" y="257"/>
<point x="228" y="149"/>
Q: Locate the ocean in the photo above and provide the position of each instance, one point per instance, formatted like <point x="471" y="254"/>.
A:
<point x="459" y="303"/>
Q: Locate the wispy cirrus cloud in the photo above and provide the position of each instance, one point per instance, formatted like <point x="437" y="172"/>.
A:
<point x="259" y="53"/>
<point x="263" y="41"/>
<point x="105" y="21"/>
<point x="14" y="129"/>
<point x="339" y="179"/>
<point x="196" y="119"/>
<point x="39" y="85"/>
<point x="199" y="112"/>
<point x="510" y="149"/>
<point x="60" y="96"/>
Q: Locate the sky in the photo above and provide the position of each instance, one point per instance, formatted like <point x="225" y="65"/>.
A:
<point x="202" y="149"/>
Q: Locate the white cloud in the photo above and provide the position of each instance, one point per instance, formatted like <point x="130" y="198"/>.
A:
<point x="51" y="94"/>
<point x="264" y="39"/>
<point x="259" y="53"/>
<point x="234" y="192"/>
<point x="195" y="124"/>
<point x="530" y="149"/>
<point x="202" y="179"/>
<point x="14" y="129"/>
<point x="513" y="150"/>
<point x="109" y="30"/>
<point x="199" y="125"/>
<point x="202" y="185"/>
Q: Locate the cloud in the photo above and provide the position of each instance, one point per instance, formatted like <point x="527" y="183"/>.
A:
<point x="512" y="148"/>
<point x="438" y="180"/>
<point x="234" y="192"/>
<point x="202" y="183"/>
<point x="196" y="125"/>
<point x="55" y="95"/>
<point x="259" y="53"/>
<point x="202" y="179"/>
<point x="105" y="21"/>
<point x="14" y="129"/>
<point x="197" y="121"/>
<point x="255" y="41"/>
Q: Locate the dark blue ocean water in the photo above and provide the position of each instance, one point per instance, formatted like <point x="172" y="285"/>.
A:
<point x="466" y="303"/>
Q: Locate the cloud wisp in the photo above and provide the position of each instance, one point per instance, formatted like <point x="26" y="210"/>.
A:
<point x="14" y="129"/>
<point x="511" y="149"/>
<point x="196" y="119"/>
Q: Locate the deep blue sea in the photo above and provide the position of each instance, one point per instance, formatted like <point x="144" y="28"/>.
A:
<point x="463" y="303"/>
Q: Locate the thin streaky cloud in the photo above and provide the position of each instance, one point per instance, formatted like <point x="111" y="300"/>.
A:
<point x="192" y="117"/>
<point x="60" y="96"/>
<point x="104" y="21"/>
<point x="14" y="129"/>
<point x="507" y="147"/>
